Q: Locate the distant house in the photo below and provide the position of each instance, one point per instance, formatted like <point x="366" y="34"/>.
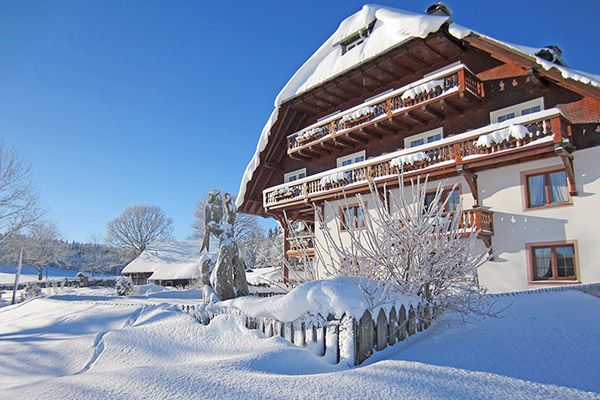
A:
<point x="168" y="264"/>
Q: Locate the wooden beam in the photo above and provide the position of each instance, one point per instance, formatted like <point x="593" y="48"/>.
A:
<point x="444" y="103"/>
<point x="567" y="160"/>
<point x="328" y="103"/>
<point x="319" y="149"/>
<point x="341" y="143"/>
<point x="309" y="153"/>
<point x="413" y="58"/>
<point x="432" y="113"/>
<point x="270" y="165"/>
<point x="356" y="139"/>
<point x="371" y="133"/>
<point x="411" y="117"/>
<point x="536" y="78"/>
<point x="363" y="72"/>
<point x="431" y="50"/>
<point x="471" y="179"/>
<point x="299" y="157"/>
<point x="379" y="126"/>
<point x="356" y="90"/>
<point x="387" y="71"/>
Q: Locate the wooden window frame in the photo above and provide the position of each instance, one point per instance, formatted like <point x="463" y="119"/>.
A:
<point x="351" y="157"/>
<point x="288" y="175"/>
<point x="532" y="267"/>
<point x="543" y="171"/>
<point x="445" y="192"/>
<point x="342" y="215"/>
<point x="517" y="109"/>
<point x="423" y="135"/>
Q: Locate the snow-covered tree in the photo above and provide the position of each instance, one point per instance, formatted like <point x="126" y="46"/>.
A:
<point x="124" y="286"/>
<point x="409" y="245"/>
<point x="245" y="225"/>
<point x="19" y="204"/>
<point x="247" y="233"/>
<point x="139" y="226"/>
<point x="41" y="245"/>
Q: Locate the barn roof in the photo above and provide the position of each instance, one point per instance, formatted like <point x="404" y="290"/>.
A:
<point x="170" y="260"/>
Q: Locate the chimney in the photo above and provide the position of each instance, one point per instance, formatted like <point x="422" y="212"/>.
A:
<point x="439" y="9"/>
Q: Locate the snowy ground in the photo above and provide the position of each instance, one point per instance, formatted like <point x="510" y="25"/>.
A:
<point x="94" y="345"/>
<point x="29" y="273"/>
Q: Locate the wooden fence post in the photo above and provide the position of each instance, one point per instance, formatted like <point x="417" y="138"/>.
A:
<point x="381" y="331"/>
<point x="412" y="321"/>
<point x="426" y="316"/>
<point x="365" y="337"/>
<point x="332" y="350"/>
<point x="402" y="324"/>
<point x="392" y="327"/>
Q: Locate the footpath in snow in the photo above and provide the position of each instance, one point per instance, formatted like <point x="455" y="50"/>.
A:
<point x="83" y="347"/>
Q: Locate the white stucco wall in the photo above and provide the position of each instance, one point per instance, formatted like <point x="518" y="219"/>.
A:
<point x="500" y="191"/>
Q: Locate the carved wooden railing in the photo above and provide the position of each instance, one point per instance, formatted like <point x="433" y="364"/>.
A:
<point x="458" y="79"/>
<point x="301" y="245"/>
<point x="477" y="220"/>
<point x="548" y="125"/>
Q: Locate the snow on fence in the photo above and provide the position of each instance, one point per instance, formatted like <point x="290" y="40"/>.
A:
<point x="337" y="340"/>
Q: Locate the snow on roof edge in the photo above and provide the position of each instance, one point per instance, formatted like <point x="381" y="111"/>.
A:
<point x="455" y="30"/>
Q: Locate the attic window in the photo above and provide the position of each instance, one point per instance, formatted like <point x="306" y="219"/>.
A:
<point x="356" y="39"/>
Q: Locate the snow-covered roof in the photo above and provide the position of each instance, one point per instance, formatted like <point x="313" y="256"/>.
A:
<point x="391" y="27"/>
<point x="171" y="260"/>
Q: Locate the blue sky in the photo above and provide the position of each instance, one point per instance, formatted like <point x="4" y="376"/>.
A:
<point x="116" y="103"/>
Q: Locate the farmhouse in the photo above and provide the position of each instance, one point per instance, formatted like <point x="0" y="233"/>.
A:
<point x="512" y="126"/>
<point x="168" y="264"/>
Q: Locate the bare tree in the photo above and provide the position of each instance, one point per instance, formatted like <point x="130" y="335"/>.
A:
<point x="244" y="227"/>
<point x="19" y="204"/>
<point x="138" y="226"/>
<point x="96" y="252"/>
<point x="42" y="245"/>
<point x="408" y="246"/>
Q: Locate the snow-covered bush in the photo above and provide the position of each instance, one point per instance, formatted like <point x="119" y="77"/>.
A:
<point x="124" y="286"/>
<point x="407" y="246"/>
<point x="31" y="290"/>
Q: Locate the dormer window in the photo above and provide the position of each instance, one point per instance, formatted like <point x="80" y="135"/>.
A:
<point x="356" y="39"/>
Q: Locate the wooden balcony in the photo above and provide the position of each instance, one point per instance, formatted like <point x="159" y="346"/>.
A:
<point x="420" y="101"/>
<point x="300" y="246"/>
<point x="541" y="134"/>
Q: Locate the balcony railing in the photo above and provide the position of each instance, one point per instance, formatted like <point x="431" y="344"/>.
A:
<point x="455" y="80"/>
<point x="477" y="220"/>
<point x="301" y="246"/>
<point x="520" y="133"/>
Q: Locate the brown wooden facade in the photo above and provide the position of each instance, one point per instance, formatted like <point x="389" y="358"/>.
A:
<point x="486" y="76"/>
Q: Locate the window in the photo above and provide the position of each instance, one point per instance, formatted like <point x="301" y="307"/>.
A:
<point x="356" y="39"/>
<point x="425" y="137"/>
<point x="546" y="189"/>
<point x="553" y="261"/>
<point x="352" y="217"/>
<point x="517" y="110"/>
<point x="292" y="176"/>
<point x="453" y="197"/>
<point x="351" y="158"/>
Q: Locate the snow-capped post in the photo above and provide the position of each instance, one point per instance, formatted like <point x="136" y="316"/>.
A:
<point x="17" y="276"/>
<point x="227" y="278"/>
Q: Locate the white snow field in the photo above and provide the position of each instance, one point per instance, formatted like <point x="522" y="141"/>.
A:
<point x="97" y="346"/>
<point x="29" y="274"/>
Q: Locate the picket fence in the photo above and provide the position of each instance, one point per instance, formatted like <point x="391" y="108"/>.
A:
<point x="337" y="340"/>
<point x="348" y="339"/>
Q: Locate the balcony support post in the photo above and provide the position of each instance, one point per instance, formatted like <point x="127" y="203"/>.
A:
<point x="280" y="218"/>
<point x="471" y="179"/>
